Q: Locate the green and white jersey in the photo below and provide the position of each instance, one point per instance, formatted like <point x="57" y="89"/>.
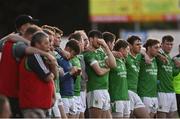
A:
<point x="165" y="75"/>
<point x="133" y="67"/>
<point x="77" y="87"/>
<point x="95" y="81"/>
<point x="118" y="88"/>
<point x="147" y="84"/>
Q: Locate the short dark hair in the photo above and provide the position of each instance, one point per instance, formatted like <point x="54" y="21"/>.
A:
<point x="167" y="38"/>
<point x="75" y="36"/>
<point x="132" y="39"/>
<point x="151" y="42"/>
<point x="120" y="44"/>
<point x="95" y="33"/>
<point x="73" y="45"/>
<point x="108" y="37"/>
<point x="38" y="37"/>
<point x="32" y="29"/>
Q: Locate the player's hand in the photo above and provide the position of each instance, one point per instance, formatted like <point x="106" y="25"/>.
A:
<point x="147" y="59"/>
<point x="102" y="43"/>
<point x="163" y="59"/>
<point x="75" y="71"/>
<point x="65" y="54"/>
<point x="61" y="71"/>
<point x="177" y="63"/>
<point x="117" y="54"/>
<point x="50" y="58"/>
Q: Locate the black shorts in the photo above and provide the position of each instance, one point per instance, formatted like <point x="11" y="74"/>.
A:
<point x="14" y="103"/>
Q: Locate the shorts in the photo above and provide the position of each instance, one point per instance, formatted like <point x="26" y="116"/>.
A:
<point x="151" y="104"/>
<point x="167" y="102"/>
<point x="14" y="104"/>
<point x="83" y="101"/>
<point x="55" y="109"/>
<point x="77" y="100"/>
<point x="121" y="109"/>
<point x="99" y="99"/>
<point x="69" y="106"/>
<point x="135" y="100"/>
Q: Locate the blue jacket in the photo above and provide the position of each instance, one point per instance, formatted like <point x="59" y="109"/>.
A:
<point x="66" y="81"/>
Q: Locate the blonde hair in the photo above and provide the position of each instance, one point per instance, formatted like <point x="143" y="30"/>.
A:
<point x="50" y="28"/>
<point x="58" y="31"/>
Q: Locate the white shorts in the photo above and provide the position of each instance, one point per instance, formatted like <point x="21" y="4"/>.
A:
<point x="151" y="104"/>
<point x="83" y="101"/>
<point x="59" y="99"/>
<point x="121" y="109"/>
<point x="69" y="106"/>
<point x="135" y="100"/>
<point x="99" y="99"/>
<point x="55" y="108"/>
<point x="167" y="102"/>
<point x="77" y="100"/>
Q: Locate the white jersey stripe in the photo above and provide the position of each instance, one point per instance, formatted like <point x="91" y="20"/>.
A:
<point x="41" y="63"/>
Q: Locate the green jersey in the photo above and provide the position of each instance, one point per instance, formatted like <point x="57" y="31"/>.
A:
<point x="133" y="67"/>
<point x="95" y="81"/>
<point x="77" y="87"/>
<point x="118" y="88"/>
<point x="165" y="75"/>
<point x="147" y="84"/>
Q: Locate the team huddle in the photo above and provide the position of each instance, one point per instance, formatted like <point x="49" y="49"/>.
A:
<point x="115" y="78"/>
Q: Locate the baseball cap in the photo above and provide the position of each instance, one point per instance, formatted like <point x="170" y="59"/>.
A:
<point x="23" y="19"/>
